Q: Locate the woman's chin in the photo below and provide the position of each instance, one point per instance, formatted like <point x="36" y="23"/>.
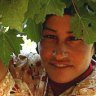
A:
<point x="59" y="79"/>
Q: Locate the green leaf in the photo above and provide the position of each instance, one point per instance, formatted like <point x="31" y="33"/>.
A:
<point x="33" y="9"/>
<point x="38" y="9"/>
<point x="86" y="7"/>
<point x="67" y="2"/>
<point x="50" y="7"/>
<point x="12" y="13"/>
<point x="9" y="44"/>
<point x="33" y="30"/>
<point x="84" y="27"/>
<point x="92" y="6"/>
<point x="93" y="1"/>
<point x="84" y="22"/>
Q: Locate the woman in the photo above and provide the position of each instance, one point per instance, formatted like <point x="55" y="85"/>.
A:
<point x="66" y="59"/>
<point x="67" y="67"/>
<point x="10" y="87"/>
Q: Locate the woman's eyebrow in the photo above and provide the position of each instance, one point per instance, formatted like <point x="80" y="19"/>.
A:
<point x="48" y="28"/>
<point x="53" y="30"/>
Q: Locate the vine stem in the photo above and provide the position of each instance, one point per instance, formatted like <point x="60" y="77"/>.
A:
<point x="73" y="2"/>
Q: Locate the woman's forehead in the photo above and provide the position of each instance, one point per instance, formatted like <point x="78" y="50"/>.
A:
<point x="53" y="30"/>
<point x="57" y="23"/>
<point x="64" y="18"/>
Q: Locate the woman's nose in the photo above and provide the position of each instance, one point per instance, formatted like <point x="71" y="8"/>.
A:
<point x="60" y="52"/>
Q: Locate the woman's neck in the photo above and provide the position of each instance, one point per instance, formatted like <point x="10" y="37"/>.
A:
<point x="3" y="71"/>
<point x="58" y="88"/>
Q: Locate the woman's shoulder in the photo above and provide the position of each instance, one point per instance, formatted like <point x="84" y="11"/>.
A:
<point x="88" y="85"/>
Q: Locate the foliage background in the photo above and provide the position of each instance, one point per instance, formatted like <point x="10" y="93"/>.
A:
<point x="15" y="14"/>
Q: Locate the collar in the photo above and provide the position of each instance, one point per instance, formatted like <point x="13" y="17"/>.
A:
<point x="64" y="86"/>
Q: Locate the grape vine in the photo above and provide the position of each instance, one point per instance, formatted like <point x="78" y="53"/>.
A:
<point x="15" y="13"/>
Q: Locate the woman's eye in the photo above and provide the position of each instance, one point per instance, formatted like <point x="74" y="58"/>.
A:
<point x="49" y="37"/>
<point x="73" y="38"/>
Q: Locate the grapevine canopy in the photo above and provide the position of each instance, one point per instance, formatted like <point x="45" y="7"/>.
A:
<point x="15" y="14"/>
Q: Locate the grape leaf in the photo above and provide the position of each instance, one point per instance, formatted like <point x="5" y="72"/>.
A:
<point x="50" y="7"/>
<point x="38" y="9"/>
<point x="33" y="30"/>
<point x="86" y="7"/>
<point x="33" y="9"/>
<point x="92" y="7"/>
<point x="12" y="13"/>
<point x="67" y="2"/>
<point x="84" y="27"/>
<point x="93" y="1"/>
<point x="9" y="43"/>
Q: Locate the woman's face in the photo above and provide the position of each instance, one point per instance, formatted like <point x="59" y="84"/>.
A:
<point x="63" y="56"/>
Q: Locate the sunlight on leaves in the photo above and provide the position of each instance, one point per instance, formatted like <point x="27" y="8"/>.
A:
<point x="12" y="12"/>
<point x="9" y="43"/>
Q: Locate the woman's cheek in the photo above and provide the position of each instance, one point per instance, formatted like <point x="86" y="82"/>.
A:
<point x="45" y="54"/>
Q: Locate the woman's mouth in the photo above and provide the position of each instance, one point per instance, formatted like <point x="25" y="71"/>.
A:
<point x="63" y="64"/>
